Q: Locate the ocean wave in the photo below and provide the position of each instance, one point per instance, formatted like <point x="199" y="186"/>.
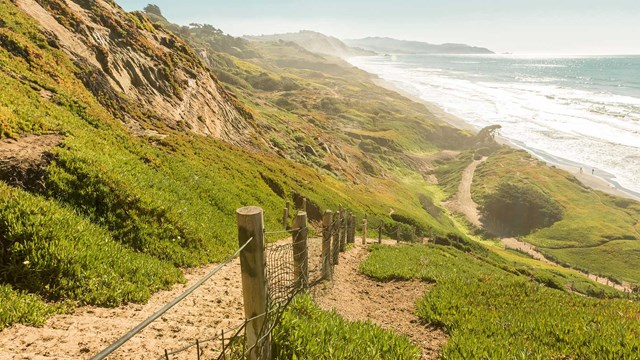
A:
<point x="542" y="65"/>
<point x="537" y="79"/>
<point x="595" y="128"/>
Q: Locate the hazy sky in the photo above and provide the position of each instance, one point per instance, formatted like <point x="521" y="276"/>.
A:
<point x="519" y="26"/>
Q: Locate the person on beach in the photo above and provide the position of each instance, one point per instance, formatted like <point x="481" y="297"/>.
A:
<point x="593" y="171"/>
<point x="580" y="170"/>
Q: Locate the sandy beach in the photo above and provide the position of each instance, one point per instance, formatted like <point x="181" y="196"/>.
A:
<point x="599" y="180"/>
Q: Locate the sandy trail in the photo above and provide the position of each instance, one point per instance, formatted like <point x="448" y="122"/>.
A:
<point x="463" y="203"/>
<point x="215" y="306"/>
<point x="391" y="305"/>
<point x="515" y="244"/>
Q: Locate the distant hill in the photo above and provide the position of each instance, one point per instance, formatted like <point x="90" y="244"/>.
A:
<point x="316" y="42"/>
<point x="389" y="45"/>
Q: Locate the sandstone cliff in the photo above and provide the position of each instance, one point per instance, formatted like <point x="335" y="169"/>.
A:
<point x="127" y="62"/>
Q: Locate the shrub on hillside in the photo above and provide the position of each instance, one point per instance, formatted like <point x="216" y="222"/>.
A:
<point x="517" y="209"/>
<point x="264" y="82"/>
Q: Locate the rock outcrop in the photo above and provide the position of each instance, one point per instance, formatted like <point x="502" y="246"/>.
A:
<point x="125" y="59"/>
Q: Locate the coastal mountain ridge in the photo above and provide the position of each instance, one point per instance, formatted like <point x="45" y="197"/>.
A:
<point x="328" y="45"/>
<point x="315" y="42"/>
<point x="388" y="45"/>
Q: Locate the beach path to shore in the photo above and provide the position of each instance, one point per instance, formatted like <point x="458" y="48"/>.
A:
<point x="464" y="203"/>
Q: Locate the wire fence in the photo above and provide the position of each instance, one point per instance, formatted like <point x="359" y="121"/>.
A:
<point x="280" y="271"/>
<point x="111" y="348"/>
<point x="284" y="282"/>
<point x="291" y="267"/>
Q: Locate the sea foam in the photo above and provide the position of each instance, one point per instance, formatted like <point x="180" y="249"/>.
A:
<point x="546" y="107"/>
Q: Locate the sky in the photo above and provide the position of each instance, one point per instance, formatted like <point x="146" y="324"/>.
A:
<point x="518" y="26"/>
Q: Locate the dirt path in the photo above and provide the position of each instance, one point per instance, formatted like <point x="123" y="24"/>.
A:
<point x="391" y="305"/>
<point x="463" y="203"/>
<point x="215" y="306"/>
<point x="515" y="244"/>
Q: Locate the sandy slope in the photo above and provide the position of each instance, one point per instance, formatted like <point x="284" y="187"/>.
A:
<point x="462" y="201"/>
<point x="215" y="306"/>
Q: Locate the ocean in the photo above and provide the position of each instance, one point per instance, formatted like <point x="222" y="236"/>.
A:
<point x="582" y="111"/>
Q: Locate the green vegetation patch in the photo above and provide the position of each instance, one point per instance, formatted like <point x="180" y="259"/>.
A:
<point x="49" y="250"/>
<point x="307" y="332"/>
<point x="590" y="218"/>
<point x="495" y="314"/>
<point x="619" y="257"/>
<point x="519" y="209"/>
<point x="24" y="308"/>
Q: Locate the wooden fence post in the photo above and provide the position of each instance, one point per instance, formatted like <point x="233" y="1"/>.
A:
<point x="326" y="245"/>
<point x="353" y="228"/>
<point x="335" y="245"/>
<point x="364" y="231"/>
<point x="304" y="204"/>
<point x="253" y="265"/>
<point x="380" y="234"/>
<point x="344" y="227"/>
<point x="300" y="250"/>
<point x="285" y="219"/>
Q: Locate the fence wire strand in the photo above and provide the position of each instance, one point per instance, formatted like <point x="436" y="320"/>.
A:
<point x="111" y="348"/>
<point x="282" y="286"/>
<point x="284" y="282"/>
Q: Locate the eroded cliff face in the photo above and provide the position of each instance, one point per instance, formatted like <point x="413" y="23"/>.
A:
<point x="128" y="63"/>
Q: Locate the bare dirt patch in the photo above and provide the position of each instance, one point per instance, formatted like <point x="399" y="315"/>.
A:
<point x="23" y="161"/>
<point x="391" y="305"/>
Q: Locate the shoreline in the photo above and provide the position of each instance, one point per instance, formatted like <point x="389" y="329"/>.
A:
<point x="600" y="180"/>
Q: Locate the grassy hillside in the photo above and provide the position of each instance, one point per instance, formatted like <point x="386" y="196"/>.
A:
<point x="492" y="311"/>
<point x="148" y="203"/>
<point x="597" y="232"/>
